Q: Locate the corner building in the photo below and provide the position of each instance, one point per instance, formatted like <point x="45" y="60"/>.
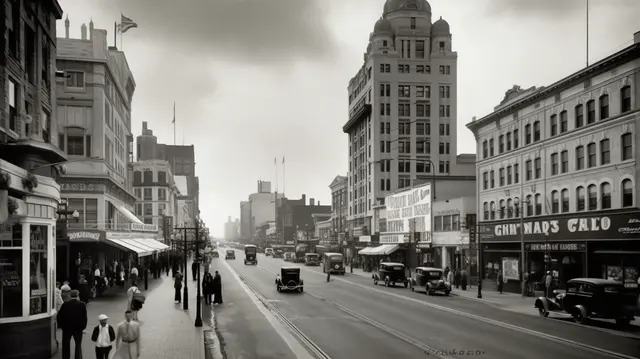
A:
<point x="402" y="114"/>
<point x="563" y="159"/>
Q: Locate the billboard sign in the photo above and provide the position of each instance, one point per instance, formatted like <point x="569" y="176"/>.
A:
<point x="409" y="210"/>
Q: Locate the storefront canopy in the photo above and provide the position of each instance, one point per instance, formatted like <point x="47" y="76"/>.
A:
<point x="129" y="244"/>
<point x="152" y="243"/>
<point x="382" y="250"/>
<point x="127" y="213"/>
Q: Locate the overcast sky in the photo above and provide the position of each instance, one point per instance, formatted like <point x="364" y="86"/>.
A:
<point x="256" y="79"/>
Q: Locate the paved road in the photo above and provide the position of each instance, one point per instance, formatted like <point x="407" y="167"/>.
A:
<point x="350" y="317"/>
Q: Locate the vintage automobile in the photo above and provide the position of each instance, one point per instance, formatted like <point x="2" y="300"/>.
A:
<point x="268" y="251"/>
<point x="430" y="280"/>
<point x="289" y="279"/>
<point x="278" y="253"/>
<point x="250" y="254"/>
<point x="333" y="262"/>
<point x="288" y="257"/>
<point x="231" y="254"/>
<point x="215" y="254"/>
<point x="311" y="259"/>
<point x="391" y="273"/>
<point x="587" y="298"/>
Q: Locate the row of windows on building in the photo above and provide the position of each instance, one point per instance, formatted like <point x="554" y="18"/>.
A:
<point x="420" y="91"/>
<point x="559" y="124"/>
<point x="421" y="110"/>
<point x="585" y="198"/>
<point x="420" y="69"/>
<point x="148" y="177"/>
<point x="145" y="211"/>
<point x="423" y="146"/>
<point x="146" y="194"/>
<point x="560" y="162"/>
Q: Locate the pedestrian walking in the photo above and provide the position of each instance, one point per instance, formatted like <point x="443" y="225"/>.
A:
<point x="464" y="278"/>
<point x="328" y="275"/>
<point x="72" y="319"/>
<point x="84" y="289"/>
<point x="194" y="269"/>
<point x="177" y="284"/>
<point x="97" y="277"/>
<point x="65" y="291"/>
<point x="58" y="297"/>
<point x="548" y="282"/>
<point x="135" y="299"/>
<point x="134" y="274"/>
<point x="207" y="287"/>
<point x="457" y="278"/>
<point x="103" y="335"/>
<point x="127" y="338"/>
<point x="217" y="289"/>
<point x="449" y="275"/>
<point x="500" y="281"/>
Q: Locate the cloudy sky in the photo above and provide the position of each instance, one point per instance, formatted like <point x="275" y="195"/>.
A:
<point x="256" y="79"/>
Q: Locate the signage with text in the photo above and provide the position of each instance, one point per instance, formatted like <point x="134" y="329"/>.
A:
<point x="83" y="236"/>
<point x="587" y="226"/>
<point x="140" y="227"/>
<point x="556" y="247"/>
<point x="392" y="238"/>
<point x="409" y="210"/>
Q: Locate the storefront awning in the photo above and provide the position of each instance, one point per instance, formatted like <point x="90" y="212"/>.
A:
<point x="131" y="245"/>
<point x="382" y="250"/>
<point x="365" y="251"/>
<point x="130" y="216"/>
<point x="152" y="243"/>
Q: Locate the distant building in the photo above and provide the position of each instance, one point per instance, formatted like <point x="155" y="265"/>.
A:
<point x="245" y="220"/>
<point x="231" y="229"/>
<point x="257" y="211"/>
<point x="296" y="216"/>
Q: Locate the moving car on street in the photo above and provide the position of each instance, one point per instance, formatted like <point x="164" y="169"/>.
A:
<point x="231" y="254"/>
<point x="390" y="273"/>
<point x="215" y="254"/>
<point x="430" y="280"/>
<point x="250" y="254"/>
<point x="311" y="259"/>
<point x="289" y="279"/>
<point x="268" y="251"/>
<point x="278" y="253"/>
<point x="300" y="251"/>
<point x="587" y="298"/>
<point x="289" y="256"/>
<point x="333" y="262"/>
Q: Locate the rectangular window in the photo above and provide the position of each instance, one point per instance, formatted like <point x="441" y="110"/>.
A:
<point x="441" y="70"/>
<point x="75" y="141"/>
<point x="605" y="152"/>
<point x="515" y="138"/>
<point x="148" y="209"/>
<point x="420" y="110"/>
<point x="501" y="177"/>
<point x="538" y="166"/>
<point x="564" y="122"/>
<point x="419" y="46"/>
<point x="501" y="143"/>
<point x="591" y="153"/>
<point x="508" y="141"/>
<point x="509" y="175"/>
<point x="162" y="194"/>
<point x="75" y="79"/>
<point x="554" y="164"/>
<point x="564" y="159"/>
<point x="485" y="180"/>
<point x="148" y="194"/>
<point x="419" y="91"/>
<point x="404" y="110"/>
<point x="91" y="213"/>
<point x="404" y="91"/>
<point x="580" y="199"/>
<point x="536" y="131"/>
<point x="565" y="200"/>
<point x="485" y="149"/>
<point x="13" y="106"/>
<point x="138" y="192"/>
<point x="604" y="107"/>
<point x="39" y="274"/>
<point x="554" y="125"/>
<point x="529" y="170"/>
<point x="627" y="147"/>
<point x="579" y="114"/>
<point x="492" y="178"/>
<point x="591" y="112"/>
<point x="527" y="134"/>
<point x="625" y="99"/>
<point x="516" y="173"/>
<point x="491" y="147"/>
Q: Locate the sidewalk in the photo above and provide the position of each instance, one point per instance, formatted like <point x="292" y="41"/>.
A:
<point x="166" y="330"/>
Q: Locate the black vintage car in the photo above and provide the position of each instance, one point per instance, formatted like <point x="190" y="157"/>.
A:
<point x="333" y="262"/>
<point x="231" y="254"/>
<point x="430" y="280"/>
<point x="277" y="253"/>
<point x="391" y="273"/>
<point x="592" y="298"/>
<point x="250" y="254"/>
<point x="289" y="279"/>
<point x="215" y="254"/>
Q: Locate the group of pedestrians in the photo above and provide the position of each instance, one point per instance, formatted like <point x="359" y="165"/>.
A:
<point x="211" y="286"/>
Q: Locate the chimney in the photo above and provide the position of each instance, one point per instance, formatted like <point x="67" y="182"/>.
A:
<point x="66" y="27"/>
<point x="83" y="31"/>
<point x="312" y="201"/>
<point x="636" y="37"/>
<point x="91" y="29"/>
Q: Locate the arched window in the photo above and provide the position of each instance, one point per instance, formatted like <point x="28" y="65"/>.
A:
<point x="538" y="204"/>
<point x="580" y="199"/>
<point x="627" y="193"/>
<point x="502" y="209"/>
<point x="604" y="106"/>
<point x="605" y="195"/>
<point x="485" y="208"/>
<point x="509" y="208"/>
<point x="592" y="193"/>
<point x="564" y="198"/>
<point x="529" y="205"/>
<point x="493" y="210"/>
<point x="536" y="131"/>
<point x="555" y="202"/>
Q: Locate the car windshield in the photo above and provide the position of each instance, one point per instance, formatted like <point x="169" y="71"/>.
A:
<point x="433" y="274"/>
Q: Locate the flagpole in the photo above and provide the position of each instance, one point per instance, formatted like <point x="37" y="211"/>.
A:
<point x="275" y="163"/>
<point x="284" y="176"/>
<point x="174" y="123"/>
<point x="587" y="33"/>
<point x="115" y="34"/>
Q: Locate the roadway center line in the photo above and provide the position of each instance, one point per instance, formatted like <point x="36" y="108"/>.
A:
<point x="298" y="349"/>
<point x="486" y="320"/>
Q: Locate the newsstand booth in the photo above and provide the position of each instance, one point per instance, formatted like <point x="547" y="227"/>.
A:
<point x="597" y="244"/>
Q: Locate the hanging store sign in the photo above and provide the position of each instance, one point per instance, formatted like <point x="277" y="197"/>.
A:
<point x="409" y="210"/>
<point x="556" y="247"/>
<point x="364" y="239"/>
<point x="84" y="236"/>
<point x="144" y="227"/>
<point x="392" y="238"/>
<point x="567" y="228"/>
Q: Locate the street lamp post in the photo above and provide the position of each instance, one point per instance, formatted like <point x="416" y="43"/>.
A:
<point x="198" y="322"/>
<point x="517" y="203"/>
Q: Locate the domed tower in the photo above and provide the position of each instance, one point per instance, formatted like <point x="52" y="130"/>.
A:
<point x="381" y="39"/>
<point x="441" y="36"/>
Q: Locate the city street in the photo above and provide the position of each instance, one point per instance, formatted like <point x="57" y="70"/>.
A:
<point x="350" y="317"/>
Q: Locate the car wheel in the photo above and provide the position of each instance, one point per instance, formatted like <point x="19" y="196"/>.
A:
<point x="543" y="312"/>
<point x="375" y="281"/>
<point x="446" y="292"/>
<point x="623" y="322"/>
<point x="413" y="289"/>
<point x="386" y="283"/>
<point x="578" y="317"/>
<point x="406" y="284"/>
<point x="301" y="289"/>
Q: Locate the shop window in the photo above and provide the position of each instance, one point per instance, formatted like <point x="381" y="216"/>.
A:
<point x="580" y="200"/>
<point x="91" y="212"/>
<point x="627" y="193"/>
<point x="11" y="271"/>
<point x="593" y="197"/>
<point x="38" y="270"/>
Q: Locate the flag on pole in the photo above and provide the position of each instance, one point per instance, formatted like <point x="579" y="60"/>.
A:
<point x="126" y="24"/>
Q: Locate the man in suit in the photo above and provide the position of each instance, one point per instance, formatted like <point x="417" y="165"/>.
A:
<point x="72" y="319"/>
<point x="103" y="335"/>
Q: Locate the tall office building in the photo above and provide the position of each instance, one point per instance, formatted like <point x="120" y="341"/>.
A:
<point x="402" y="112"/>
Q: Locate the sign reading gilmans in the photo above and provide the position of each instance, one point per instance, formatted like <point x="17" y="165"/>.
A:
<point x="409" y="210"/>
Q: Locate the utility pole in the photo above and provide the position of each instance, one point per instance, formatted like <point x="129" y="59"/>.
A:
<point x="198" y="322"/>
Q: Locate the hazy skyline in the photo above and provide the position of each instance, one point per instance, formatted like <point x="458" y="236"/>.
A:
<point x="256" y="79"/>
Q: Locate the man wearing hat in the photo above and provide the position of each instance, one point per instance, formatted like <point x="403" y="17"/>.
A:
<point x="103" y="335"/>
<point x="72" y="319"/>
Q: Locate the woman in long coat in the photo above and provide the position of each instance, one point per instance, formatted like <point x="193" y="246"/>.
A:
<point x="217" y="289"/>
<point x="177" y="284"/>
<point x="207" y="287"/>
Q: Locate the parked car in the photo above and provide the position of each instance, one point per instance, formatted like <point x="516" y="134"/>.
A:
<point x="215" y="253"/>
<point x="430" y="280"/>
<point x="391" y="273"/>
<point x="278" y="253"/>
<point x="333" y="262"/>
<point x="289" y="279"/>
<point x="311" y="259"/>
<point x="250" y="254"/>
<point x="268" y="251"/>
<point x="289" y="256"/>
<point x="587" y="298"/>
<point x="231" y="254"/>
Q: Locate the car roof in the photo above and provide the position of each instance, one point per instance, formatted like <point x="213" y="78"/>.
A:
<point x="249" y="246"/>
<point x="333" y="254"/>
<point x="596" y="281"/>
<point x="290" y="268"/>
<point x="430" y="269"/>
<point x="311" y="254"/>
<point x="392" y="264"/>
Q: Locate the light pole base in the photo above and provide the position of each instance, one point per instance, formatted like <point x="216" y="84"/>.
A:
<point x="185" y="297"/>
<point x="198" y="322"/>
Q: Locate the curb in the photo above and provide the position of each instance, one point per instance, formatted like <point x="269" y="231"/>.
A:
<point x="482" y="300"/>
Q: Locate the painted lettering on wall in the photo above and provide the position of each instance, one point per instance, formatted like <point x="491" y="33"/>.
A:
<point x="592" y="224"/>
